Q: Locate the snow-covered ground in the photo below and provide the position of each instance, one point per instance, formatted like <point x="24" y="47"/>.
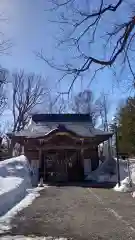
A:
<point x="30" y="238"/>
<point x="16" y="190"/>
<point x="106" y="172"/>
<point x="25" y="202"/>
<point x="125" y="185"/>
<point x="14" y="182"/>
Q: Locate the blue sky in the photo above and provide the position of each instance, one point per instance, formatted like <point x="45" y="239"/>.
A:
<point x="29" y="31"/>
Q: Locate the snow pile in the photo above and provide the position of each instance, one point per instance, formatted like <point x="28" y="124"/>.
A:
<point x="8" y="183"/>
<point x="105" y="172"/>
<point x="14" y="182"/>
<point x="125" y="185"/>
<point x="16" y="190"/>
<point x="25" y="202"/>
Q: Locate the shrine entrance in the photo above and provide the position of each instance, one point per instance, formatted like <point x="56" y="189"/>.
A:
<point x="61" y="166"/>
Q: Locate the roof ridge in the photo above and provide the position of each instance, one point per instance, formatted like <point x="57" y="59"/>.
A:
<point x="66" y="117"/>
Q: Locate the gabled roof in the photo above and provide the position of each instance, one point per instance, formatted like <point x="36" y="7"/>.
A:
<point x="42" y="125"/>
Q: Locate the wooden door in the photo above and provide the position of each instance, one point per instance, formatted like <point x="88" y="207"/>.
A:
<point x="55" y="167"/>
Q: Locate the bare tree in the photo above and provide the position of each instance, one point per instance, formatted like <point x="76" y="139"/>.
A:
<point x="102" y="104"/>
<point x="3" y="97"/>
<point x="5" y="44"/>
<point x="98" y="37"/>
<point x="28" y="92"/>
<point x="84" y="103"/>
<point x="62" y="104"/>
<point x="55" y="103"/>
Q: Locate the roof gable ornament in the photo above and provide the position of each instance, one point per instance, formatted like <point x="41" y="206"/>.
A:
<point x="61" y="127"/>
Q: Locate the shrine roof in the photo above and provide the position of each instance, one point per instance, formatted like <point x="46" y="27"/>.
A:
<point x="41" y="125"/>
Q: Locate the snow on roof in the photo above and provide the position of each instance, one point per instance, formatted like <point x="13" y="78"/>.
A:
<point x="41" y="125"/>
<point x="41" y="129"/>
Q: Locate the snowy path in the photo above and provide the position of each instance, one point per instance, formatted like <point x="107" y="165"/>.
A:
<point x="78" y="213"/>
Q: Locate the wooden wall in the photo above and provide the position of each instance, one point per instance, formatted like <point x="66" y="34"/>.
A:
<point x="92" y="153"/>
<point x="31" y="154"/>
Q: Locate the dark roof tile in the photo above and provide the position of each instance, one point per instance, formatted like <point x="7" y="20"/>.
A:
<point x="61" y="118"/>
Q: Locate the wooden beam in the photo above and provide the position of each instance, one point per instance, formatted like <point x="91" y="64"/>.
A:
<point x="66" y="147"/>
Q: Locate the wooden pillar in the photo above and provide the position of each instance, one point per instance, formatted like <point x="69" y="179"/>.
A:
<point x="39" y="155"/>
<point x="22" y="150"/>
<point x="94" y="158"/>
<point x="66" y="162"/>
<point x="12" y="147"/>
<point x="82" y="161"/>
<point x="39" y="159"/>
<point x="43" y="155"/>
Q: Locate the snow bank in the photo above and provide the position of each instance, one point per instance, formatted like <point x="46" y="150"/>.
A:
<point x="14" y="182"/>
<point x="124" y="187"/>
<point x="6" y="219"/>
<point x="104" y="173"/>
<point x="125" y="181"/>
<point x="16" y="190"/>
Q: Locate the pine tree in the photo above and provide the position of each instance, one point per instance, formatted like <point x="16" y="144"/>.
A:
<point x="126" y="131"/>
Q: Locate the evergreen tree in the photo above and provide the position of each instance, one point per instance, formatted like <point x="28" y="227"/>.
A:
<point x="126" y="129"/>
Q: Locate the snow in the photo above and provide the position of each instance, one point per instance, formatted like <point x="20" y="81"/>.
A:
<point x="16" y="193"/>
<point x="30" y="238"/>
<point x="125" y="185"/>
<point x="16" y="190"/>
<point x="6" y="219"/>
<point x="14" y="182"/>
<point x="8" y="183"/>
<point x="104" y="173"/>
